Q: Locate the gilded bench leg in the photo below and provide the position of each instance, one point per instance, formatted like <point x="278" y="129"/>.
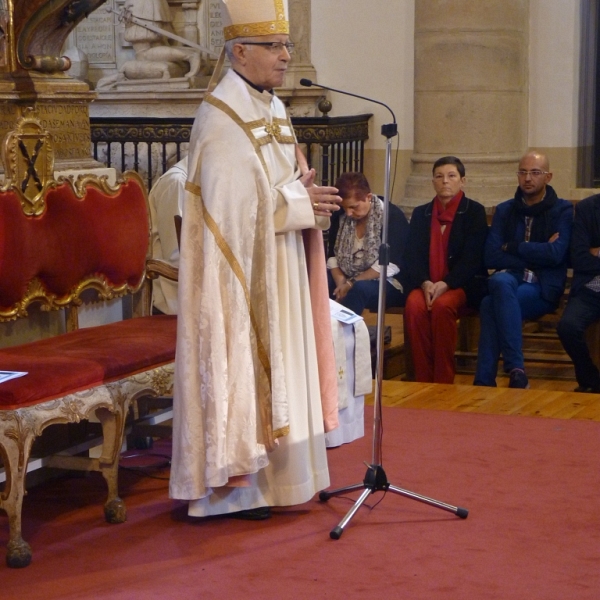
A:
<point x="113" y="426"/>
<point x="15" y="445"/>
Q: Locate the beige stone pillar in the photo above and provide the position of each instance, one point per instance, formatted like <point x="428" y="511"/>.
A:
<point x="304" y="100"/>
<point x="471" y="100"/>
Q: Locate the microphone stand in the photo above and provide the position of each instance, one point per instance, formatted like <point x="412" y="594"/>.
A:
<point x="375" y="478"/>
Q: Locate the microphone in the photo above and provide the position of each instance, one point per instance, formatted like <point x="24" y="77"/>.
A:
<point x="309" y="83"/>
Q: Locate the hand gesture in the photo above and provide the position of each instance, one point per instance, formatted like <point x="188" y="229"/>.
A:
<point x="324" y="199"/>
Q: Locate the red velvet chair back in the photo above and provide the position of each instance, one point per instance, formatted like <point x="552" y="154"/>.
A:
<point x="89" y="235"/>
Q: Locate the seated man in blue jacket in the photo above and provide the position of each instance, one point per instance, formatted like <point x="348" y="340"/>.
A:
<point x="528" y="246"/>
<point x="583" y="307"/>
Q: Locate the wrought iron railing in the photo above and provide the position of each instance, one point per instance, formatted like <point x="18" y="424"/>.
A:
<point x="333" y="145"/>
<point x="150" y="146"/>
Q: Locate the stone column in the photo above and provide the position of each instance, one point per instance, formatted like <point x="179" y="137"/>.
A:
<point x="303" y="102"/>
<point x="471" y="99"/>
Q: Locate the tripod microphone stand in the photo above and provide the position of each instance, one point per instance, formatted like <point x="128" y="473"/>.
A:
<point x="375" y="478"/>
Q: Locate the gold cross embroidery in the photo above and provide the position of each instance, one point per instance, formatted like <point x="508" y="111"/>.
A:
<point x="274" y="130"/>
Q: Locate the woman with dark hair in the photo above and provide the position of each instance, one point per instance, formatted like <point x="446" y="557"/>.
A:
<point x="354" y="241"/>
<point x="444" y="275"/>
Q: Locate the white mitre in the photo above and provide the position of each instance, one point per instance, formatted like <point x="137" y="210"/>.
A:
<point x="250" y="18"/>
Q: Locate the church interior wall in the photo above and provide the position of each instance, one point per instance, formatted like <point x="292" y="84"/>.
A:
<point x="554" y="96"/>
<point x="371" y="51"/>
<point x="368" y="49"/>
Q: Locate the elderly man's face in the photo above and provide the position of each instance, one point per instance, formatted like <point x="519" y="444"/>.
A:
<point x="264" y="66"/>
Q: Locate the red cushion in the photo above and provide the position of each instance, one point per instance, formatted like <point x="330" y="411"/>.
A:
<point x="85" y="358"/>
<point x="73" y="239"/>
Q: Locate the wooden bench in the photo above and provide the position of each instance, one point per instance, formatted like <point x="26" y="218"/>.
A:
<point x="541" y="343"/>
<point x="61" y="241"/>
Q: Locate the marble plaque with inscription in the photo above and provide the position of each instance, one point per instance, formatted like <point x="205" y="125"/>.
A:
<point x="68" y="123"/>
<point x="215" y="25"/>
<point x="9" y="113"/>
<point x="96" y="37"/>
<point x="70" y="126"/>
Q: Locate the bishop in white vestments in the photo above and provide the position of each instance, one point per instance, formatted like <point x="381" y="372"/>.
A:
<point x="248" y="427"/>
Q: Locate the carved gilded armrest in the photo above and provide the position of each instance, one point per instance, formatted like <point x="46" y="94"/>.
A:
<point x="156" y="267"/>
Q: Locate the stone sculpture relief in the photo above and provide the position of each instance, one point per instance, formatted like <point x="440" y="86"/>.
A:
<point x="156" y="60"/>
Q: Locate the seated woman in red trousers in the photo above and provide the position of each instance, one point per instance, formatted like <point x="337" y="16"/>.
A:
<point x="444" y="275"/>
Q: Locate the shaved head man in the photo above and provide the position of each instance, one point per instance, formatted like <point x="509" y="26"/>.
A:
<point x="527" y="245"/>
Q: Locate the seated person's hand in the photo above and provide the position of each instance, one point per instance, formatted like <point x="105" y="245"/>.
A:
<point x="341" y="290"/>
<point x="439" y="288"/>
<point x="432" y="291"/>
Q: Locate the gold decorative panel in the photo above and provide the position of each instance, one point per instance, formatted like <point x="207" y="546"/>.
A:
<point x="28" y="159"/>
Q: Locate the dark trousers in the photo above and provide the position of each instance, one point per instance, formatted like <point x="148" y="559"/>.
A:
<point x="365" y="294"/>
<point x="581" y="311"/>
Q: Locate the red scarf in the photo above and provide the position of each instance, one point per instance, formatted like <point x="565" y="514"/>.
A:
<point x="438" y="242"/>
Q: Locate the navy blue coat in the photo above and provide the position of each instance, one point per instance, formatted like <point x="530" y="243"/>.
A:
<point x="586" y="235"/>
<point x="548" y="260"/>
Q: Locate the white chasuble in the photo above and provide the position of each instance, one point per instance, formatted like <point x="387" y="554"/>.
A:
<point x="246" y="398"/>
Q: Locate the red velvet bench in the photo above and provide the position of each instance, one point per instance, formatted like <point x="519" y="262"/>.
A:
<point x="59" y="240"/>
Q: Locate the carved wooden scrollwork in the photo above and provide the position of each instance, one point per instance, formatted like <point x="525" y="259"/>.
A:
<point x="41" y="28"/>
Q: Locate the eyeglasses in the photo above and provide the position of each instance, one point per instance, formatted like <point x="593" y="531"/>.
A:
<point x="273" y="47"/>
<point x="534" y="173"/>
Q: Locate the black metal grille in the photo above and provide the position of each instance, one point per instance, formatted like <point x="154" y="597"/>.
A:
<point x="150" y="146"/>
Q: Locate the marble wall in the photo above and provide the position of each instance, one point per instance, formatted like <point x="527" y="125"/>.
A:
<point x="101" y="39"/>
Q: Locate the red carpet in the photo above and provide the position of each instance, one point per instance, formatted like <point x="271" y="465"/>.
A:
<point x="531" y="486"/>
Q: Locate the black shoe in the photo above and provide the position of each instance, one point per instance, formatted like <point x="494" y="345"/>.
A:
<point x="518" y="379"/>
<point x="587" y="390"/>
<point x="252" y="514"/>
<point x="582" y="389"/>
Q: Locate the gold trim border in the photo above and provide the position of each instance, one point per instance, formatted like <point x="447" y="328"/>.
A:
<point x="280" y="25"/>
<point x="245" y="127"/>
<point x="256" y="30"/>
<point x="263" y="356"/>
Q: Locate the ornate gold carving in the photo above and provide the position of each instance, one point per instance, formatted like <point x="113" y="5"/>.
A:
<point x="162" y="381"/>
<point x="332" y="129"/>
<point x="49" y="64"/>
<point x="28" y="158"/>
<point x="81" y="183"/>
<point x="36" y="292"/>
<point x="43" y="26"/>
